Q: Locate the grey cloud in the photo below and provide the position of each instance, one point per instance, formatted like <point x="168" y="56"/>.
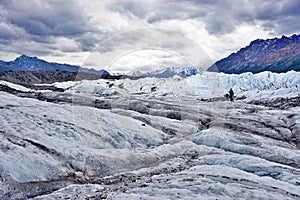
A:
<point x="46" y="17"/>
<point x="162" y="40"/>
<point x="174" y="10"/>
<point x="34" y="26"/>
<point x="219" y="23"/>
<point x="88" y="43"/>
<point x="277" y="10"/>
<point x="220" y="17"/>
<point x="134" y="7"/>
<point x="291" y="7"/>
<point x="157" y="10"/>
<point x="89" y="40"/>
<point x="10" y="32"/>
<point x="269" y="26"/>
<point x="280" y="16"/>
<point x="22" y="47"/>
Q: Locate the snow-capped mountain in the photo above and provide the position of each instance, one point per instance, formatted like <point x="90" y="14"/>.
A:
<point x="168" y="72"/>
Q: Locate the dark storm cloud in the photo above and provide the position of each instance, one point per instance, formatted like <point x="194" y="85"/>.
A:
<point x="9" y="31"/>
<point x="29" y="25"/>
<point x="45" y="17"/>
<point x="220" y="17"/>
<point x="44" y="27"/>
<point x="274" y="10"/>
<point x="282" y="16"/>
<point x="157" y="10"/>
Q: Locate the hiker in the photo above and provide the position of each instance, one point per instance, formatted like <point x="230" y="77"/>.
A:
<point x="231" y="94"/>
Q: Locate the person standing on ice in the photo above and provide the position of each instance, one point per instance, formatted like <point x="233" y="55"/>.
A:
<point x="231" y="94"/>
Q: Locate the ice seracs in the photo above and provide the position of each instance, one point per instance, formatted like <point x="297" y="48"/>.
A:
<point x="153" y="138"/>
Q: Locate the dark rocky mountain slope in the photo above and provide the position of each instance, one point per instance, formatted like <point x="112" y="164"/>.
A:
<point x="27" y="63"/>
<point x="275" y="55"/>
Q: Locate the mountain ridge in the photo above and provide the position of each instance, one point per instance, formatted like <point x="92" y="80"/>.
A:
<point x="28" y="63"/>
<point x="275" y="55"/>
<point x="168" y="72"/>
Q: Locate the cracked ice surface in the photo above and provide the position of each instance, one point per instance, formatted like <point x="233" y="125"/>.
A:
<point x="152" y="144"/>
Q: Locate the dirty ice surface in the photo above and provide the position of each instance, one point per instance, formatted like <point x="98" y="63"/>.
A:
<point x="154" y="139"/>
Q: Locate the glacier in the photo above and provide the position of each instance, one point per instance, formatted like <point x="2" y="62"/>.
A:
<point x="153" y="138"/>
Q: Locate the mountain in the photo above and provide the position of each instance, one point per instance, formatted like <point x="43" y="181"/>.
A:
<point x="27" y="63"/>
<point x="275" y="55"/>
<point x="168" y="72"/>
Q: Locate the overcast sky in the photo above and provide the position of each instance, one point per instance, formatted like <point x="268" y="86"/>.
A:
<point x="126" y="35"/>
